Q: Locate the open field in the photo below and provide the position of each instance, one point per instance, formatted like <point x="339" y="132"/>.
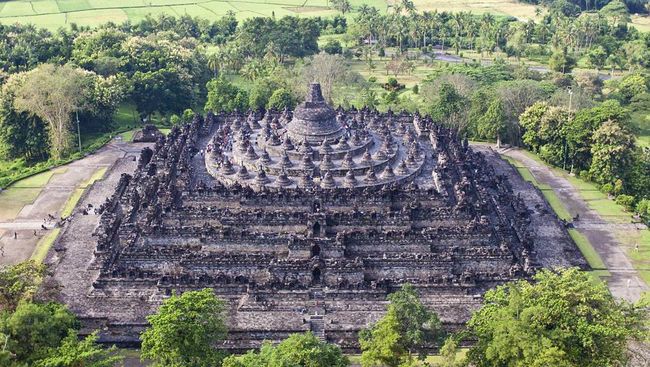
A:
<point x="53" y="14"/>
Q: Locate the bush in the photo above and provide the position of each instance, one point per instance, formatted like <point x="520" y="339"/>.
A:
<point x="607" y="188"/>
<point x="643" y="208"/>
<point x="347" y="54"/>
<point x="584" y="174"/>
<point x="382" y="52"/>
<point x="333" y="47"/>
<point x="416" y="89"/>
<point x="372" y="79"/>
<point x="627" y="201"/>
<point x="618" y="187"/>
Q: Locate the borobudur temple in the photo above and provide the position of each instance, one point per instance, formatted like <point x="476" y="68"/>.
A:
<point x="303" y="220"/>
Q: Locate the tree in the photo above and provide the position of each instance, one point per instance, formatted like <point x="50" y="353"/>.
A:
<point x="33" y="328"/>
<point x="342" y="5"/>
<point x="80" y="353"/>
<point x="261" y="92"/>
<point x="19" y="282"/>
<point x="449" y="107"/>
<point x="562" y="318"/>
<point x="449" y="353"/>
<point x="492" y="124"/>
<point x="22" y="135"/>
<point x="281" y="99"/>
<point x="405" y="330"/>
<point x="327" y="70"/>
<point x="333" y="47"/>
<point x="54" y="93"/>
<point x="613" y="145"/>
<point x="223" y="96"/>
<point x="616" y="11"/>
<point x="562" y="61"/>
<point x="184" y="331"/>
<point x="597" y="57"/>
<point x="297" y="350"/>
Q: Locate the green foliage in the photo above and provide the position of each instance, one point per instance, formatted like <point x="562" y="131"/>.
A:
<point x="617" y="11"/>
<point x="297" y="350"/>
<point x="562" y="319"/>
<point x="597" y="57"/>
<point x="184" y="331"/>
<point x="449" y="353"/>
<point x="333" y="46"/>
<point x="34" y="328"/>
<point x="260" y="94"/>
<point x="562" y="61"/>
<point x="22" y="135"/>
<point x="613" y="145"/>
<point x="80" y="353"/>
<point x="626" y="201"/>
<point x="448" y="105"/>
<point x="224" y="96"/>
<point x="403" y="332"/>
<point x="19" y="282"/>
<point x="54" y="93"/>
<point x="281" y="99"/>
<point x="491" y="125"/>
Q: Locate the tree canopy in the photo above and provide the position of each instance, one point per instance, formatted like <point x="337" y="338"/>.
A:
<point x="563" y="318"/>
<point x="402" y="334"/>
<point x="297" y="350"/>
<point x="184" y="331"/>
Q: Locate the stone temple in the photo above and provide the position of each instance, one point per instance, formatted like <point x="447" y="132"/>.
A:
<point x="304" y="220"/>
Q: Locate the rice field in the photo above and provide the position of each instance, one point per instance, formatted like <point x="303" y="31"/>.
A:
<point x="53" y="14"/>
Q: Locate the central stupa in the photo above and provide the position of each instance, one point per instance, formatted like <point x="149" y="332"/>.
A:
<point x="314" y="120"/>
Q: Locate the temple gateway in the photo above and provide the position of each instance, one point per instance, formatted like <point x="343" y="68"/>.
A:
<point x="305" y="220"/>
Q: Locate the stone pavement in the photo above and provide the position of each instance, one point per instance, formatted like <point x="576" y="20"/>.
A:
<point x="51" y="200"/>
<point x="625" y="281"/>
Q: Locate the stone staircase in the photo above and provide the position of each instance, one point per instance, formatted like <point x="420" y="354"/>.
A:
<point x="317" y="313"/>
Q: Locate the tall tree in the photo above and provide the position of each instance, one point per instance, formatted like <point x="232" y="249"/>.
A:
<point x="402" y="334"/>
<point x="184" y="331"/>
<point x="613" y="145"/>
<point x="54" y="93"/>
<point x="562" y="319"/>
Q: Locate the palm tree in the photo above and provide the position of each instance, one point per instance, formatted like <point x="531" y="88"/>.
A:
<point x="214" y="62"/>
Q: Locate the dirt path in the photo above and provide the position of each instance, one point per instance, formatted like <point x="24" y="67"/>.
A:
<point x="624" y="282"/>
<point x="20" y="234"/>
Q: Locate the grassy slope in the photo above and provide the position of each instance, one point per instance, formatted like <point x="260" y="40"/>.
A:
<point x="24" y="192"/>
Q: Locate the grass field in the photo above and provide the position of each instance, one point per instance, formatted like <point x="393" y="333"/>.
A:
<point x="56" y="13"/>
<point x="24" y="192"/>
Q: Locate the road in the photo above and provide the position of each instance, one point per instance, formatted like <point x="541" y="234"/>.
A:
<point x="17" y="235"/>
<point x="625" y="281"/>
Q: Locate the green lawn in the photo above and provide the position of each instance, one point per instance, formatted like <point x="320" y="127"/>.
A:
<point x="24" y="192"/>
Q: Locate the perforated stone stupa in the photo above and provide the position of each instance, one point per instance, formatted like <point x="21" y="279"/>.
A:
<point x="306" y="221"/>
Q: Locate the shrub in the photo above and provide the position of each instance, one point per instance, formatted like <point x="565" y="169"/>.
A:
<point x="607" y="188"/>
<point x="643" y="208"/>
<point x="584" y="174"/>
<point x="372" y="79"/>
<point x="416" y="89"/>
<point x="627" y="201"/>
<point x="333" y="47"/>
<point x="618" y="187"/>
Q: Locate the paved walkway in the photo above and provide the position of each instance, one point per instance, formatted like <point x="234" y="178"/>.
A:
<point x="17" y="238"/>
<point x="624" y="282"/>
